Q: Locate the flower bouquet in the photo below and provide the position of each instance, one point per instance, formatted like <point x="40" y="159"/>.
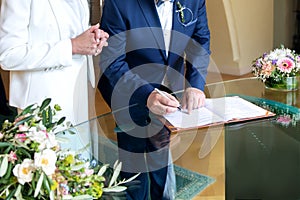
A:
<point x="278" y="68"/>
<point x="34" y="166"/>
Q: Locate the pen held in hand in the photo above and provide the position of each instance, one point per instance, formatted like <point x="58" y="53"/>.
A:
<point x="164" y="95"/>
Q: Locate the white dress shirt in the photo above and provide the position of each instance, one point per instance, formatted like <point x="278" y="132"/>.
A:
<point x="165" y="13"/>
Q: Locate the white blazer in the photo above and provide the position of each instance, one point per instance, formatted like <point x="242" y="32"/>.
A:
<point x="35" y="46"/>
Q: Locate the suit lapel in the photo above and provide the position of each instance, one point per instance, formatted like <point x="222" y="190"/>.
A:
<point x="149" y="11"/>
<point x="177" y="33"/>
<point x="58" y="12"/>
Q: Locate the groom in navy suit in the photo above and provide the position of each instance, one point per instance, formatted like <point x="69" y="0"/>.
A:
<point x="152" y="44"/>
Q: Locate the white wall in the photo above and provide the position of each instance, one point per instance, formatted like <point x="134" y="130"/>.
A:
<point x="241" y="30"/>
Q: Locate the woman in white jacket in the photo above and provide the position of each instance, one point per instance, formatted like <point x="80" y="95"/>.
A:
<point x="47" y="45"/>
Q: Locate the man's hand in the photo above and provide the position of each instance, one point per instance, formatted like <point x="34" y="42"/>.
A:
<point x="193" y="98"/>
<point x="161" y="105"/>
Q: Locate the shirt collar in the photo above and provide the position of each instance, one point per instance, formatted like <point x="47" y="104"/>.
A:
<point x="160" y="2"/>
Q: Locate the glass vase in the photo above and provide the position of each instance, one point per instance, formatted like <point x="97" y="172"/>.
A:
<point x="284" y="84"/>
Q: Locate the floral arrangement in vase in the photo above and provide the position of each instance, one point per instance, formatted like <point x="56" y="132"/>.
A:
<point x="34" y="166"/>
<point x="277" y="67"/>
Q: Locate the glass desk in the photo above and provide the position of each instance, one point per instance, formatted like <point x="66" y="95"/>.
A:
<point x="257" y="159"/>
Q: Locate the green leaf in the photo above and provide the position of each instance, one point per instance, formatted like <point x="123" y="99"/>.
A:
<point x="26" y="119"/>
<point x="39" y="185"/>
<point x="4" y="166"/>
<point x="18" y="193"/>
<point x="11" y="194"/>
<point x="115" y="164"/>
<point x="44" y="117"/>
<point x="77" y="167"/>
<point x="30" y="191"/>
<point x="4" y="182"/>
<point x="102" y="170"/>
<point x="50" y="114"/>
<point x="115" y="189"/>
<point x="5" y="144"/>
<point x="61" y="120"/>
<point x="5" y="187"/>
<point x="34" y="181"/>
<point x="47" y="182"/>
<point x="131" y="178"/>
<point x="26" y="110"/>
<point x="83" y="197"/>
<point x="71" y="131"/>
<point x="21" y="144"/>
<point x="8" y="149"/>
<point x="45" y="103"/>
<point x="117" y="170"/>
<point x="9" y="170"/>
<point x="24" y="152"/>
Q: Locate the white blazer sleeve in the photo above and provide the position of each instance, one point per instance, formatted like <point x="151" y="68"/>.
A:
<point x="30" y="38"/>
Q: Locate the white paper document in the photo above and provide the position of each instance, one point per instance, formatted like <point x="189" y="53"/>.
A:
<point x="217" y="110"/>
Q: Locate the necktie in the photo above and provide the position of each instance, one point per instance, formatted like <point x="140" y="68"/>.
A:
<point x="159" y="2"/>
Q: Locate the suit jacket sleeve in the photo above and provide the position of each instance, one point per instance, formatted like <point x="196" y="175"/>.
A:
<point x="113" y="65"/>
<point x="198" y="51"/>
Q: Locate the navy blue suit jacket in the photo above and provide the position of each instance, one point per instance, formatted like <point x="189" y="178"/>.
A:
<point x="135" y="60"/>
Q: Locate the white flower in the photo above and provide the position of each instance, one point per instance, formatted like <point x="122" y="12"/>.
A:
<point x="51" y="141"/>
<point x="46" y="160"/>
<point x="40" y="135"/>
<point x="24" y="171"/>
<point x="23" y="128"/>
<point x="272" y="56"/>
<point x="41" y="126"/>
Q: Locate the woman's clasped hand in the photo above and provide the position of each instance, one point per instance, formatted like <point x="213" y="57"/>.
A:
<point x="90" y="42"/>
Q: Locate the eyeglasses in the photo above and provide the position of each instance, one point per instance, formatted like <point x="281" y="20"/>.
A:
<point x="185" y="13"/>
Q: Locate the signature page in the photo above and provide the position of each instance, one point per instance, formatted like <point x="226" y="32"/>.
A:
<point x="217" y="110"/>
<point x="234" y="108"/>
<point x="198" y="117"/>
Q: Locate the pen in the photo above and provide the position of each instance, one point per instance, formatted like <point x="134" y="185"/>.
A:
<point x="164" y="95"/>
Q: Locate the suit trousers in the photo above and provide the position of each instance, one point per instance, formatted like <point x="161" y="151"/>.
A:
<point x="145" y="149"/>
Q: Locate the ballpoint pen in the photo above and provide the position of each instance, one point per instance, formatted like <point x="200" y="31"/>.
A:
<point x="164" y="95"/>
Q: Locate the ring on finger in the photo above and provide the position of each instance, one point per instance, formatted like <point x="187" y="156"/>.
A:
<point x="97" y="51"/>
